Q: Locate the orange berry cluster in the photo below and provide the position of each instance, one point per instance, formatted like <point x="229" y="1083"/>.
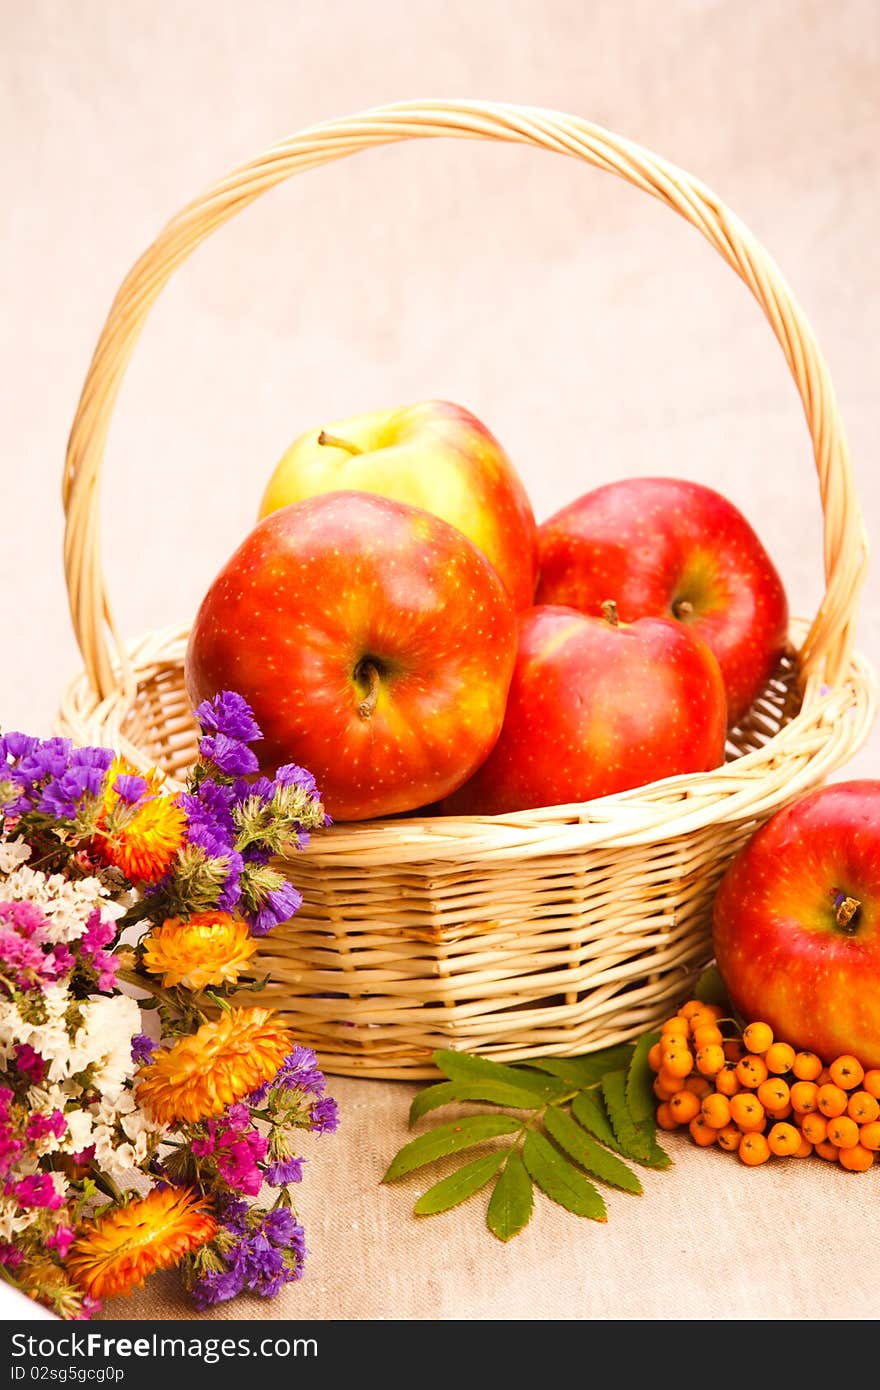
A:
<point x="760" y="1098"/>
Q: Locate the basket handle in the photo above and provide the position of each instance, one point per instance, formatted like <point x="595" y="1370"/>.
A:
<point x="828" y="644"/>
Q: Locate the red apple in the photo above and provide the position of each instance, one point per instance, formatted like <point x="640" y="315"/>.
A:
<point x="668" y="547"/>
<point x="796" y="923"/>
<point x="374" y="643"/>
<point x="596" y="707"/>
<point x="434" y="455"/>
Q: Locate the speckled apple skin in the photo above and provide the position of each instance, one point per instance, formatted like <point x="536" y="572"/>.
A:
<point x="436" y="455"/>
<point x="778" y="948"/>
<point x="319" y="586"/>
<point x="648" y="543"/>
<point x="595" y="709"/>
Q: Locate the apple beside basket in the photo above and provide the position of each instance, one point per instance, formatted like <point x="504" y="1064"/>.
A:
<point x="554" y="931"/>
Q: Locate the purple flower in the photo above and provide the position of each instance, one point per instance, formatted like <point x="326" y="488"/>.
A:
<point x="142" y="1048"/>
<point x="298" y="1071"/>
<point x="62" y="795"/>
<point x="237" y="1163"/>
<point x="228" y="754"/>
<point x="61" y="1240"/>
<point x="324" y="1116"/>
<point x="230" y="714"/>
<point x="280" y="904"/>
<point x="283" y="1171"/>
<point x="292" y="776"/>
<point x="17" y="745"/>
<point x="39" y="1125"/>
<point x="98" y="759"/>
<point x="130" y="787"/>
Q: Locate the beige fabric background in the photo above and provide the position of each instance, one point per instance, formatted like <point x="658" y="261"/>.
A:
<point x="595" y="333"/>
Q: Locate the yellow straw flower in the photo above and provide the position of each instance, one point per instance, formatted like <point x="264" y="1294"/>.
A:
<point x="120" y="1248"/>
<point x="211" y="948"/>
<point x="223" y="1061"/>
<point x="141" y="843"/>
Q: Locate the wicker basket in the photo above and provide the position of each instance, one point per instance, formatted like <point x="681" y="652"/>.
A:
<point x="559" y="930"/>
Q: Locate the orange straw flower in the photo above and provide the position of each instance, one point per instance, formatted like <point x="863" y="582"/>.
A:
<point x="120" y="1248"/>
<point x="210" y="948"/>
<point x="140" y="837"/>
<point x="226" y="1059"/>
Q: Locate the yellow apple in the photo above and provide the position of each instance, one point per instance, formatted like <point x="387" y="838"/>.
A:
<point x="435" y="455"/>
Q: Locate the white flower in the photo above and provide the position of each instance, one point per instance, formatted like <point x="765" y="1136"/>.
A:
<point x="12" y="854"/>
<point x="67" y="904"/>
<point x="13" y="1220"/>
<point x="103" y="1042"/>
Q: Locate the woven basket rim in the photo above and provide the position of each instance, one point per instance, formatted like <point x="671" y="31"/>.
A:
<point x="831" y="724"/>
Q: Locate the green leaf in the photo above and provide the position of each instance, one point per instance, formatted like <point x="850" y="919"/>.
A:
<point x="640" y="1098"/>
<point x="582" y="1072"/>
<point x="559" y="1180"/>
<point x="461" y="1184"/>
<point x="711" y="988"/>
<point x="449" y="1139"/>
<point x="431" y="1098"/>
<point x="465" y="1066"/>
<point x="598" y="1162"/>
<point x="495" y="1092"/>
<point x="510" y="1206"/>
<point x="635" y="1141"/>
<point x="589" y="1111"/>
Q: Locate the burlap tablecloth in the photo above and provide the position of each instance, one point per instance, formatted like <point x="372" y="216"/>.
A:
<point x="595" y="333"/>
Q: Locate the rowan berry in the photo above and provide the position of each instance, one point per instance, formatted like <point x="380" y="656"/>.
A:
<point x="665" y="1117"/>
<point x="701" y="1133"/>
<point x="824" y="1077"/>
<point x="843" y="1132"/>
<point x="803" y="1097"/>
<point x="784" y="1139"/>
<point x="804" y="1148"/>
<point x="665" y="1088"/>
<point x="715" y="1109"/>
<point x="729" y="1138"/>
<point x="806" y="1066"/>
<point x="773" y="1094"/>
<point x="710" y="1060"/>
<point x="691" y="1007"/>
<point x="830" y="1152"/>
<point x="675" y="1026"/>
<point x="655" y="1057"/>
<point x="706" y="1034"/>
<point x="831" y="1100"/>
<point x="871" y="1082"/>
<point x="814" y="1128"/>
<point x="747" y="1111"/>
<point x="779" y="1057"/>
<point x="863" y="1107"/>
<point x="700" y="1085"/>
<point x="706" y="1017"/>
<point x="869" y="1135"/>
<point x="757" y="1037"/>
<point x="751" y="1070"/>
<point x="754" y="1149"/>
<point x="857" y="1159"/>
<point x="677" y="1062"/>
<point x="847" y="1072"/>
<point x="684" y="1106"/>
<point x="727" y="1081"/>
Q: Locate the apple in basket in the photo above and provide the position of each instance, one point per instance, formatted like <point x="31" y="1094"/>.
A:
<point x="434" y="455"/>
<point x="796" y="923"/>
<point x="667" y="546"/>
<point x="596" y="707"/>
<point x="374" y="642"/>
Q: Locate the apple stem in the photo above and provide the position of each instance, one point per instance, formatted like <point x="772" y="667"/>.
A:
<point x="609" y="612"/>
<point x="366" y="671"/>
<point x="682" y="608"/>
<point x="847" y="908"/>
<point x="336" y="443"/>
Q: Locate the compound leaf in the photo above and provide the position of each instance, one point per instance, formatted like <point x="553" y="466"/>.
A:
<point x="635" y="1141"/>
<point x="640" y="1098"/>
